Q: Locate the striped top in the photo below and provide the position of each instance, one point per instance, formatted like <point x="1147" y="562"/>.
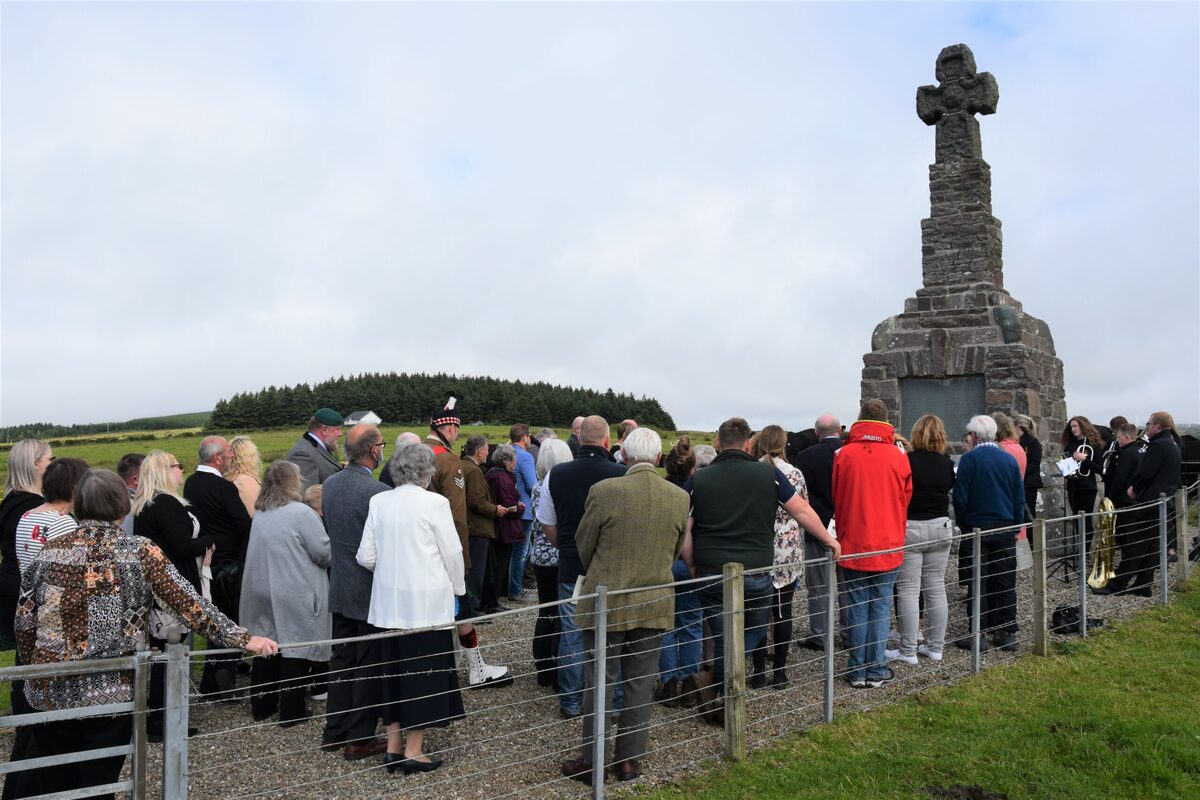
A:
<point x="35" y="527"/>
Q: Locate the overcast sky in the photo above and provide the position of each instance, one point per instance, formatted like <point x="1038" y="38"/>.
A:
<point x="710" y="204"/>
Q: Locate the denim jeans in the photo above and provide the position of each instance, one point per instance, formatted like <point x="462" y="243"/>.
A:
<point x="571" y="656"/>
<point x="869" y="610"/>
<point x="680" y="655"/>
<point x="756" y="596"/>
<point x="516" y="562"/>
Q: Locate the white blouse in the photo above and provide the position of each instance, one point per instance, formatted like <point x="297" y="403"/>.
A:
<point x="410" y="543"/>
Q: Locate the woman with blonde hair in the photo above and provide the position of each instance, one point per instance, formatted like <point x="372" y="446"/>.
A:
<point x="926" y="544"/>
<point x="245" y="471"/>
<point x="160" y="514"/>
<point x="27" y="462"/>
<point x="769" y="446"/>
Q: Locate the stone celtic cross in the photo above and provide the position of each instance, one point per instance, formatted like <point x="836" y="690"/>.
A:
<point x="961" y="93"/>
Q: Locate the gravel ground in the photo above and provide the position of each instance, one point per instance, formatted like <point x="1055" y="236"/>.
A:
<point x="513" y="740"/>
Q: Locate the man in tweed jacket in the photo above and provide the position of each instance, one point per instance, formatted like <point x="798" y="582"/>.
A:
<point x="630" y="535"/>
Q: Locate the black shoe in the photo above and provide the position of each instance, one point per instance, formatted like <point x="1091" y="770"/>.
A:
<point x="1106" y="590"/>
<point x="812" y="643"/>
<point x="411" y="765"/>
<point x="779" y="680"/>
<point x="393" y="761"/>
<point x="1005" y="640"/>
<point x="965" y="643"/>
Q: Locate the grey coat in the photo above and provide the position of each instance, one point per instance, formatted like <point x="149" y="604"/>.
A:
<point x="285" y="590"/>
<point x="315" y="462"/>
<point x="345" y="500"/>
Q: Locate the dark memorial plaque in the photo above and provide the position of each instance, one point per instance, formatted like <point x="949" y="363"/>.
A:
<point x="953" y="400"/>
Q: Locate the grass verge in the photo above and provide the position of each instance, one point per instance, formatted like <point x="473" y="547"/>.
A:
<point x="1117" y="716"/>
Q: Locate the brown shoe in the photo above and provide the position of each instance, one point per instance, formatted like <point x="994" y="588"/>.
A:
<point x="689" y="692"/>
<point x="578" y="770"/>
<point x="626" y="770"/>
<point x="668" y="693"/>
<point x="357" y="752"/>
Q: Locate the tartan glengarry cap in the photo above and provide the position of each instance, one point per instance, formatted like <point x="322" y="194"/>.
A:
<point x="445" y="415"/>
<point x="327" y="416"/>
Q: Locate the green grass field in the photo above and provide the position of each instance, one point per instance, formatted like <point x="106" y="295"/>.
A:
<point x="1117" y="716"/>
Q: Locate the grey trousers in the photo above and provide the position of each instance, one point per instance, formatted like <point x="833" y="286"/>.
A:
<point x="818" y="591"/>
<point x="633" y="655"/>
<point x="924" y="572"/>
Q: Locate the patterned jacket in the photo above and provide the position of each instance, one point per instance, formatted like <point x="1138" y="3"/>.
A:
<point x="86" y="596"/>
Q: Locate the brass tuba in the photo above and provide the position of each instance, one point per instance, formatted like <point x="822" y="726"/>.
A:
<point x="1105" y="547"/>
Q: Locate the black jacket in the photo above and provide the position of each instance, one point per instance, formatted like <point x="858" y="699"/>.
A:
<point x="216" y="503"/>
<point x="1122" y="467"/>
<point x="1086" y="477"/>
<point x="569" y="487"/>
<point x="1033" y="460"/>
<point x="167" y="523"/>
<point x="816" y="463"/>
<point x="1158" y="472"/>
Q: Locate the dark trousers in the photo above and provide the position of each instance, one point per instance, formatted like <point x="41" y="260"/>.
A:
<point x="23" y="736"/>
<point x="781" y="629"/>
<point x="1082" y="500"/>
<point x="226" y="590"/>
<point x="545" y="629"/>
<point x="502" y="556"/>
<point x="1137" y="536"/>
<point x="477" y="575"/>
<point x="279" y="682"/>
<point x="1031" y="501"/>
<point x="631" y="658"/>
<point x="352" y="711"/>
<point x="73" y="736"/>
<point x="997" y="581"/>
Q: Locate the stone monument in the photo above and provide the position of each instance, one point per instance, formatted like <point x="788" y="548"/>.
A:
<point x="963" y="345"/>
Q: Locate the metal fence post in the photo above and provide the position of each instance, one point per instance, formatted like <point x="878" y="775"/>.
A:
<point x="1081" y="535"/>
<point x="733" y="585"/>
<point x="175" y="722"/>
<point x="977" y="601"/>
<point x="1182" y="545"/>
<point x="830" y="616"/>
<point x="1040" y="633"/>
<point x="1162" y="549"/>
<point x="599" y="706"/>
<point x="141" y="692"/>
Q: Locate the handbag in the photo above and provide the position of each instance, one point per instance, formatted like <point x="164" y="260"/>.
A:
<point x="165" y="625"/>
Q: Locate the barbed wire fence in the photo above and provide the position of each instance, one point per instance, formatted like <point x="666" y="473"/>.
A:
<point x="515" y="738"/>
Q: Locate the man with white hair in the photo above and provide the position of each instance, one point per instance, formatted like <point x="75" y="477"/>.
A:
<point x="402" y="441"/>
<point x="816" y="463"/>
<point x="988" y="494"/>
<point x="573" y="439"/>
<point x="631" y="533"/>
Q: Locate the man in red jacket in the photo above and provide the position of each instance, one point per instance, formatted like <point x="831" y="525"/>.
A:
<point x="872" y="484"/>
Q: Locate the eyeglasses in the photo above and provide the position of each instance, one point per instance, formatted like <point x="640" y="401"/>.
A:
<point x="380" y="445"/>
<point x="1155" y="424"/>
<point x="177" y="466"/>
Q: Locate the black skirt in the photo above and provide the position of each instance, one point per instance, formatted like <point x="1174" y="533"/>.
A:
<point x="420" y="686"/>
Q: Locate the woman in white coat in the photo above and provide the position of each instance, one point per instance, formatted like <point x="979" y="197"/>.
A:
<point x="410" y="543"/>
<point x="285" y="590"/>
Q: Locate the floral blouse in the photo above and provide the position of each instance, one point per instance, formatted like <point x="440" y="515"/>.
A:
<point x="86" y="596"/>
<point x="544" y="553"/>
<point x="789" y="538"/>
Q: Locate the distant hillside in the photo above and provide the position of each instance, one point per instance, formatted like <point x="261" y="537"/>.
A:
<point x="47" y="430"/>
<point x="408" y="398"/>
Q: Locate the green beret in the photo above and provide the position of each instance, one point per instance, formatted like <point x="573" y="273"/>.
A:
<point x="327" y="416"/>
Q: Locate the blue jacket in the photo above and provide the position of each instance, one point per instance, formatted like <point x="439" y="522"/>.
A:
<point x="526" y="477"/>
<point x="988" y="490"/>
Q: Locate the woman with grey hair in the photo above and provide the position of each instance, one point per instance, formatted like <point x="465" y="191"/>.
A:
<point x="27" y="462"/>
<point x="285" y="593"/>
<point x="545" y="570"/>
<point x="410" y="543"/>
<point x="704" y="453"/>
<point x="502" y="480"/>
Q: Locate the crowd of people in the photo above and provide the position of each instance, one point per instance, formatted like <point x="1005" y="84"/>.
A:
<point x="318" y="549"/>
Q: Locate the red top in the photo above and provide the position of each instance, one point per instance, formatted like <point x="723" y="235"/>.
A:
<point x="872" y="484"/>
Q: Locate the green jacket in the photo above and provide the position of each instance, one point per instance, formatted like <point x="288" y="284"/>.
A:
<point x="630" y="535"/>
